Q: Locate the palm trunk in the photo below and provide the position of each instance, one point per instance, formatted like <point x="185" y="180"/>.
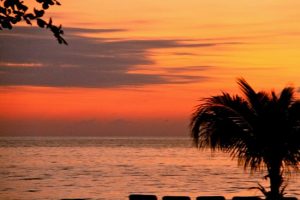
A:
<point x="276" y="180"/>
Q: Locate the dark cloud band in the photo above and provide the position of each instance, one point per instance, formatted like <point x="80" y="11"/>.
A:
<point x="86" y="62"/>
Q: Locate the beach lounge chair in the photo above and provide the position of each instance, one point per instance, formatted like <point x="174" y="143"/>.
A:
<point x="142" y="197"/>
<point x="76" y="199"/>
<point x="210" y="198"/>
<point x="176" y="198"/>
<point x="246" y="198"/>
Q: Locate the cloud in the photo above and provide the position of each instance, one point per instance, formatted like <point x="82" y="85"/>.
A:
<point x="185" y="69"/>
<point x="27" y="31"/>
<point x="32" y="57"/>
<point x="94" y="127"/>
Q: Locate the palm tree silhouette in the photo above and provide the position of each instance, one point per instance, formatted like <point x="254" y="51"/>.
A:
<point x="261" y="130"/>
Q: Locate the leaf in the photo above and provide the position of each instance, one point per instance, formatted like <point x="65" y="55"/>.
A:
<point x="41" y="23"/>
<point x="9" y="11"/>
<point x="45" y="6"/>
<point x="64" y="41"/>
<point x="49" y="23"/>
<point x="21" y="6"/>
<point x="39" y="13"/>
<point x="8" y="3"/>
<point x="2" y="10"/>
<point x="30" y="16"/>
<point x="27" y="20"/>
<point x="14" y="20"/>
<point x="17" y="12"/>
<point x="6" y="24"/>
<point x="54" y="29"/>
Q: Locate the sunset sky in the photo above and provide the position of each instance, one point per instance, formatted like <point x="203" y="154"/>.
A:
<point x="139" y="67"/>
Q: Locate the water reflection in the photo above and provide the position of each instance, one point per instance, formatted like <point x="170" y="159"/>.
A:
<point x="98" y="168"/>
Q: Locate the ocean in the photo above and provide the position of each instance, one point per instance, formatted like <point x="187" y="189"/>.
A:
<point x="98" y="168"/>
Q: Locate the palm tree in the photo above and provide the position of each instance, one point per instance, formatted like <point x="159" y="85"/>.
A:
<point x="261" y="130"/>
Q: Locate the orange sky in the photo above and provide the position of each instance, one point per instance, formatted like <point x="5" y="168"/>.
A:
<point x="155" y="59"/>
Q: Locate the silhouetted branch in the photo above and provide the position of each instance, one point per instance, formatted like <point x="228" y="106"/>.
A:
<point x="15" y="11"/>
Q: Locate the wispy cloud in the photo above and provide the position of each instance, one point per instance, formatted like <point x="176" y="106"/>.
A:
<point x="93" y="127"/>
<point x="3" y="64"/>
<point x="186" y="69"/>
<point x="86" y="62"/>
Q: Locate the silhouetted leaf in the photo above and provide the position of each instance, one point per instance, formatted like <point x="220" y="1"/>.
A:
<point x="28" y="21"/>
<point x="41" y="23"/>
<point x="17" y="12"/>
<point x="21" y="6"/>
<point x="62" y="41"/>
<point x="39" y="13"/>
<point x="15" y="20"/>
<point x="8" y="3"/>
<point x="2" y="10"/>
<point x="6" y="24"/>
<point x="30" y="16"/>
<point x="50" y="22"/>
<point x="9" y="11"/>
<point x="45" y="6"/>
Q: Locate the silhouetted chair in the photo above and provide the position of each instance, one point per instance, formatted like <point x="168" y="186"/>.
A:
<point x="76" y="199"/>
<point x="142" y="197"/>
<point x="290" y="198"/>
<point x="210" y="198"/>
<point x="176" y="198"/>
<point x="246" y="198"/>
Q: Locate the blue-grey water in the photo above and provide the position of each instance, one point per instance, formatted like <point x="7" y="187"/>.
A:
<point x="113" y="168"/>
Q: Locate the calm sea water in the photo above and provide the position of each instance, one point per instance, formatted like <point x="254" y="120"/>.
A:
<point x="113" y="168"/>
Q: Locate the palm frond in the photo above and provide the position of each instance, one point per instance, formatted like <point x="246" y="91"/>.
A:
<point x="224" y="122"/>
<point x="286" y="97"/>
<point x="261" y="130"/>
<point x="256" y="100"/>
